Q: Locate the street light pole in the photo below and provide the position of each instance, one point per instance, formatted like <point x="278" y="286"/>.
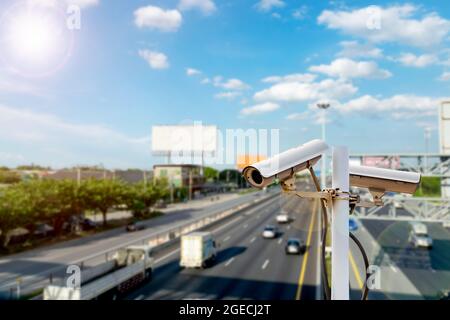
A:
<point x="427" y="139"/>
<point x="323" y="178"/>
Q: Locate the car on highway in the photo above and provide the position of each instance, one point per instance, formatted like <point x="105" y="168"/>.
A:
<point x="283" y="217"/>
<point x="352" y="224"/>
<point x="43" y="230"/>
<point x="295" y="246"/>
<point x="418" y="236"/>
<point x="446" y="224"/>
<point x="88" y="224"/>
<point x="269" y="232"/>
<point x="133" y="226"/>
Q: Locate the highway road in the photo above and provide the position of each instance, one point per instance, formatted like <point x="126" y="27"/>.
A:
<point x="36" y="265"/>
<point x="427" y="271"/>
<point x="406" y="272"/>
<point x="248" y="266"/>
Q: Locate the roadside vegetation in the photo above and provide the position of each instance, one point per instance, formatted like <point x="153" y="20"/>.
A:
<point x="429" y="187"/>
<point x="36" y="209"/>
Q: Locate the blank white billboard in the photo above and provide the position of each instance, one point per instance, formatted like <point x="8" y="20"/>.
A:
<point x="185" y="138"/>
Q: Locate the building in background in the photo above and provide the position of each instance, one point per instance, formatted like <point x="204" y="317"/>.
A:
<point x="128" y="176"/>
<point x="180" y="175"/>
<point x="245" y="160"/>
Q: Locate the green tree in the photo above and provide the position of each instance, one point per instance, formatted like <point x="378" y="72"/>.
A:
<point x="102" y="195"/>
<point x="15" y="211"/>
<point x="210" y="174"/>
<point x="140" y="197"/>
<point x="8" y="176"/>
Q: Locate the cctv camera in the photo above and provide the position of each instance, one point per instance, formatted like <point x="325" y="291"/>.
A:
<point x="384" y="179"/>
<point x="284" y="165"/>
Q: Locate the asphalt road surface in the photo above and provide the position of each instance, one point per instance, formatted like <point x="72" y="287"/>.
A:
<point x="36" y="265"/>
<point x="414" y="273"/>
<point x="248" y="266"/>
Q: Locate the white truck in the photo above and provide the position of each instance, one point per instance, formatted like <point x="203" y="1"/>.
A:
<point x="418" y="235"/>
<point x="128" y="268"/>
<point x="198" y="250"/>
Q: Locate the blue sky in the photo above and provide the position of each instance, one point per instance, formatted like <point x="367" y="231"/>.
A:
<point x="383" y="66"/>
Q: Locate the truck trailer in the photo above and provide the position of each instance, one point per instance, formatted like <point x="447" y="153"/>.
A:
<point x="128" y="268"/>
<point x="198" y="250"/>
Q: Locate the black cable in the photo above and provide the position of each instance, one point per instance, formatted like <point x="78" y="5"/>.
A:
<point x="366" y="263"/>
<point x="325" y="284"/>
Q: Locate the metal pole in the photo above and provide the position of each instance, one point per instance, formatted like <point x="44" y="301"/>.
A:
<point x="339" y="227"/>
<point x="324" y="156"/>
<point x="427" y="138"/>
<point x="78" y="176"/>
<point x="323" y="177"/>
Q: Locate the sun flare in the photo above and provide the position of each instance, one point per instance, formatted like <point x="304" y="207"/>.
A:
<point x="33" y="37"/>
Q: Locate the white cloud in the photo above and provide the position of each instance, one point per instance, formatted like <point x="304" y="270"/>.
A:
<point x="445" y="76"/>
<point x="156" y="60"/>
<point x="298" y="116"/>
<point x="306" y="91"/>
<point x="347" y="68"/>
<point x="53" y="3"/>
<point x="206" y="6"/>
<point x="260" y="108"/>
<point x="230" y="84"/>
<point x="411" y="60"/>
<point x="300" y="13"/>
<point x="83" y="3"/>
<point x="156" y="18"/>
<point x="192" y="72"/>
<point x="353" y="49"/>
<point x="398" y="106"/>
<point x="205" y="81"/>
<point x="228" y="95"/>
<point x="301" y="77"/>
<point x="267" y="5"/>
<point x="9" y="85"/>
<point x="51" y="140"/>
<point x="389" y="24"/>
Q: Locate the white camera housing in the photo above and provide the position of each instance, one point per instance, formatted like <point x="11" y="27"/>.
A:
<point x="284" y="165"/>
<point x="384" y="179"/>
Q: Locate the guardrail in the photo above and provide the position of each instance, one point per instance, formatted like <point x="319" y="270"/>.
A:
<point x="32" y="285"/>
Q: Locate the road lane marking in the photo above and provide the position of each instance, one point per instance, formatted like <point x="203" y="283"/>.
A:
<point x="226" y="239"/>
<point x="394" y="268"/>
<point x="253" y="239"/>
<point x="229" y="261"/>
<point x="355" y="270"/>
<point x="166" y="256"/>
<point x="280" y="240"/>
<point x="139" y="297"/>
<point x="245" y="225"/>
<point x="227" y="224"/>
<point x="301" y="277"/>
<point x="265" y="264"/>
<point x="288" y="227"/>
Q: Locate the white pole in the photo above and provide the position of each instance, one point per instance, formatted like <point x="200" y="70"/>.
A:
<point x="339" y="228"/>
<point x="324" y="156"/>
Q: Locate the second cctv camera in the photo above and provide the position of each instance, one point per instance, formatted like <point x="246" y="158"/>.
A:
<point x="285" y="164"/>
<point x="384" y="179"/>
